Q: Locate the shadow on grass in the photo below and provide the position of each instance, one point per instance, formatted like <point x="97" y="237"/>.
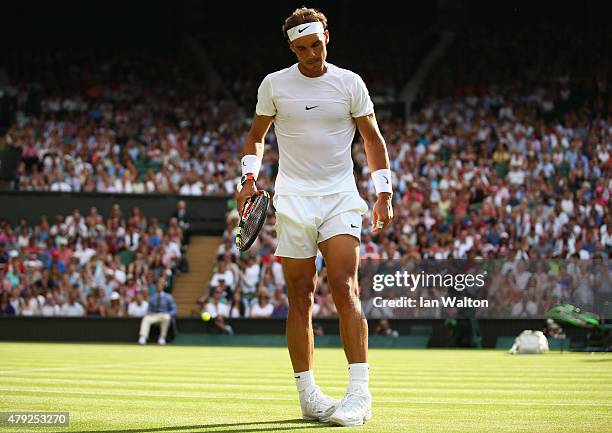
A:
<point x="259" y="426"/>
<point x="608" y="359"/>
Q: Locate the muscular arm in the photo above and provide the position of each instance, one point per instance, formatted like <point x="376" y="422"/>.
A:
<point x="375" y="147"/>
<point x="253" y="144"/>
<point x="376" y="152"/>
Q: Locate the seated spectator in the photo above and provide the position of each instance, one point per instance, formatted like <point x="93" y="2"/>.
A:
<point x="6" y="309"/>
<point x="162" y="309"/>
<point x="31" y="306"/>
<point x="49" y="307"/>
<point x="4" y="257"/>
<point x="116" y="307"/>
<point x="139" y="306"/>
<point x="219" y="310"/>
<point x="222" y="273"/>
<point x="239" y="307"/>
<point x="72" y="308"/>
<point x="384" y="328"/>
<point x="250" y="275"/>
<point x="15" y="301"/>
<point x="262" y="308"/>
<point x="324" y="300"/>
<point x="93" y="308"/>
<point x="525" y="307"/>
<point x="281" y="309"/>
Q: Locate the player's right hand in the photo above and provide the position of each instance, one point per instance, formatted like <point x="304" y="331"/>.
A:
<point x="248" y="189"/>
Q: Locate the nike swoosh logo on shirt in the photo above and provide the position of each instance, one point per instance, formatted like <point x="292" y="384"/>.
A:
<point x="354" y="226"/>
<point x="303" y="28"/>
<point x="310" y="108"/>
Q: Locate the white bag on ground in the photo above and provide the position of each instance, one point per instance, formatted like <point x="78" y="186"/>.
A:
<point x="532" y="342"/>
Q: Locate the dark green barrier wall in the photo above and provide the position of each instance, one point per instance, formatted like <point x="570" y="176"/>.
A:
<point x="207" y="214"/>
<point x="93" y="329"/>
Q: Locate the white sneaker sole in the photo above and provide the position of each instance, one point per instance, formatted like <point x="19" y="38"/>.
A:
<point x="344" y="423"/>
<point x="314" y="418"/>
<point x="323" y="418"/>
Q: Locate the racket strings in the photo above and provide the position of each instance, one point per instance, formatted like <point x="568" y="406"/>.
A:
<point x="256" y="211"/>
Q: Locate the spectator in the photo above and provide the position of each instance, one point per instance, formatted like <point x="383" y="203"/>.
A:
<point x="116" y="307"/>
<point x="72" y="308"/>
<point x="50" y="307"/>
<point x="262" y="308"/>
<point x="219" y="311"/>
<point x="30" y="304"/>
<point x="384" y="328"/>
<point x="525" y="307"/>
<point x="238" y="307"/>
<point x="182" y="217"/>
<point x="93" y="308"/>
<point x="6" y="308"/>
<point x="15" y="301"/>
<point x="281" y="309"/>
<point x="139" y="306"/>
<point x="251" y="275"/>
<point x="162" y="309"/>
<point x="222" y="274"/>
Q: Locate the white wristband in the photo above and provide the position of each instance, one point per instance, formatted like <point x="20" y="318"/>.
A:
<point x="382" y="181"/>
<point x="250" y="164"/>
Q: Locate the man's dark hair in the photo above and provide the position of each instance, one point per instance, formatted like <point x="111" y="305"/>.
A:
<point x="304" y="15"/>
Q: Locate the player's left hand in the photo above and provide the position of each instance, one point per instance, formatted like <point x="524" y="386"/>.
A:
<point x="382" y="213"/>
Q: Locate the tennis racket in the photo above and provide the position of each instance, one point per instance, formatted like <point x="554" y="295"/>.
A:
<point x="252" y="219"/>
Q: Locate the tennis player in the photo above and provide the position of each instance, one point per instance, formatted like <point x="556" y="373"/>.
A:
<point x="315" y="107"/>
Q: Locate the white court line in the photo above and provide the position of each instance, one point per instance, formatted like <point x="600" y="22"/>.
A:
<point x="208" y="396"/>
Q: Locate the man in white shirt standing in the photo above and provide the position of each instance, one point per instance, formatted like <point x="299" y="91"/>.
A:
<point x="316" y="107"/>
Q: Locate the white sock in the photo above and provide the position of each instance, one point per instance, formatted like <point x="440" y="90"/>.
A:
<point x="359" y="376"/>
<point x="305" y="381"/>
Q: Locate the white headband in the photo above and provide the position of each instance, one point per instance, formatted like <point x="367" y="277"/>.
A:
<point x="305" y="29"/>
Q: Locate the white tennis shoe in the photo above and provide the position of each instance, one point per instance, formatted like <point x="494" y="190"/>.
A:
<point x="317" y="406"/>
<point x="354" y="409"/>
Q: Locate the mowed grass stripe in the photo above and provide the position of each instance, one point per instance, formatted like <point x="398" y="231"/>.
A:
<point x="153" y="383"/>
<point x="272" y="397"/>
<point x="375" y="381"/>
<point x="170" y="367"/>
<point x="250" y="379"/>
<point x="320" y="370"/>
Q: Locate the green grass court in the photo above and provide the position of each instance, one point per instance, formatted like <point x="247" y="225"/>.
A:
<point x="129" y="388"/>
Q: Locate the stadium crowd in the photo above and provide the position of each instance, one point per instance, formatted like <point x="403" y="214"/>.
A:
<point x="121" y="123"/>
<point x="505" y="156"/>
<point x="88" y="265"/>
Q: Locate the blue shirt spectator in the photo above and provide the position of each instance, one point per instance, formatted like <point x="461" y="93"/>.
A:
<point x="162" y="302"/>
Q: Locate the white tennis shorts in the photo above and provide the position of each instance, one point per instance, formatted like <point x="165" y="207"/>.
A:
<point x="302" y="222"/>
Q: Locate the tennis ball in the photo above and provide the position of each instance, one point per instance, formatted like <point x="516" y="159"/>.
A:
<point x="205" y="316"/>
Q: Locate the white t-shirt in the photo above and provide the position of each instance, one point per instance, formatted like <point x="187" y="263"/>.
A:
<point x="257" y="311"/>
<point x="135" y="310"/>
<point x="228" y="276"/>
<point x="220" y="309"/>
<point x="314" y="126"/>
<point x="250" y="278"/>
<point x="74" y="310"/>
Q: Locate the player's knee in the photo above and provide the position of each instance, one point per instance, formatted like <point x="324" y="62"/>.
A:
<point x="345" y="291"/>
<point x="301" y="305"/>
